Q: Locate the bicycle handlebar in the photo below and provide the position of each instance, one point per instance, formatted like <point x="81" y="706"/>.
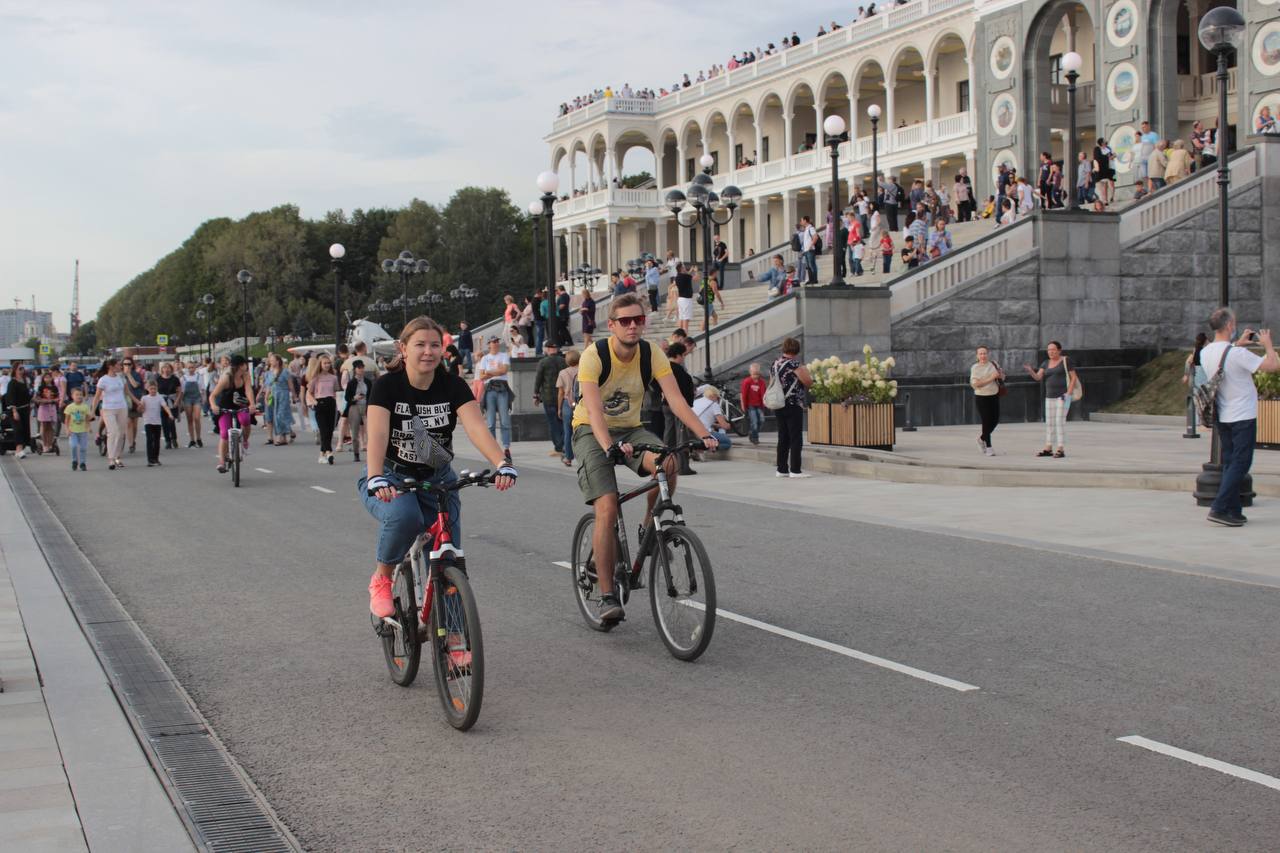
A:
<point x="484" y="479"/>
<point x="664" y="451"/>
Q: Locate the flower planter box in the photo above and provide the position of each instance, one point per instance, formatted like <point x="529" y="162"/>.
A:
<point x="859" y="425"/>
<point x="1269" y="423"/>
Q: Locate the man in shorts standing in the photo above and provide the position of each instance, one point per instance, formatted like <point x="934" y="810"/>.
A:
<point x="684" y="297"/>
<point x="606" y="426"/>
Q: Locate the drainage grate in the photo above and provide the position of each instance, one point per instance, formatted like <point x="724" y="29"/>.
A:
<point x="220" y="806"/>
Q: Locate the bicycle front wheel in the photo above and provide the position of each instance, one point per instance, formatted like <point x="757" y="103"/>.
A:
<point x="738" y="418"/>
<point x="457" y="648"/>
<point x="235" y="463"/>
<point x="586" y="588"/>
<point x="400" y="645"/>
<point x="682" y="593"/>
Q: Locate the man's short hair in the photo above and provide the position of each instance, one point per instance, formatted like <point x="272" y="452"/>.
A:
<point x="626" y="300"/>
<point x="675" y="350"/>
<point x="711" y="392"/>
<point x="1221" y="318"/>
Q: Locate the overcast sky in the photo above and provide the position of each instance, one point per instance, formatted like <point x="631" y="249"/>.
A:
<point x="124" y="125"/>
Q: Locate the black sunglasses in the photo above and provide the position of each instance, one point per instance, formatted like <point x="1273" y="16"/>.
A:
<point x="630" y="320"/>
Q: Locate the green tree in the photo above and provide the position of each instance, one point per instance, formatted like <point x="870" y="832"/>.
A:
<point x="84" y="341"/>
<point x="630" y="182"/>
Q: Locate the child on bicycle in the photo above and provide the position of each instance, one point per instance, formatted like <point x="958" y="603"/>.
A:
<point x="416" y="387"/>
<point x="606" y="425"/>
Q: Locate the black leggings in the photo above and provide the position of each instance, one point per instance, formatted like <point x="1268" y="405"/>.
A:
<point x="326" y="409"/>
<point x="989" y="410"/>
<point x="790" y="437"/>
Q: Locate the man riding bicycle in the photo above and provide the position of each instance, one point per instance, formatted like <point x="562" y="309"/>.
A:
<point x="612" y="376"/>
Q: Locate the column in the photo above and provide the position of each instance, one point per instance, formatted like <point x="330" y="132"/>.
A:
<point x="854" y="112"/>
<point x="573" y="175"/>
<point x="971" y="169"/>
<point x="821" y="134"/>
<point x="787" y="148"/>
<point x="930" y="109"/>
<point x="732" y="162"/>
<point x="660" y="238"/>
<point x="931" y="171"/>
<point x="611" y="167"/>
<point x="680" y="176"/>
<point x="657" y="167"/>
<point x="759" y="150"/>
<point x="760" y="208"/>
<point x="611" y="246"/>
<point x="555" y="252"/>
<point x="890" y="121"/>
<point x="593" y="246"/>
<point x="790" y="213"/>
<point x="821" y="191"/>
<point x="683" y="236"/>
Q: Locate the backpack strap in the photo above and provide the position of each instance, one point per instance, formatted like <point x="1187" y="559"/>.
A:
<point x="606" y="361"/>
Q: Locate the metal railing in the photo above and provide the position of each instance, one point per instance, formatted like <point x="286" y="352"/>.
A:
<point x="1188" y="195"/>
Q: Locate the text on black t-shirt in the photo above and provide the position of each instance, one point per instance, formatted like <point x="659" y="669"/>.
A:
<point x="437" y="406"/>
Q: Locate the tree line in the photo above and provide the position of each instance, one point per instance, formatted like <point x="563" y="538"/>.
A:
<point x="479" y="238"/>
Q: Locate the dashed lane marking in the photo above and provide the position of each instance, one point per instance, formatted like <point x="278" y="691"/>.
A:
<point x="1203" y="761"/>
<point x="323" y="489"/>
<point x="884" y="663"/>
<point x="264" y="470"/>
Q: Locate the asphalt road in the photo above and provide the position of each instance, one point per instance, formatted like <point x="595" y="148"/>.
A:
<point x="257" y="599"/>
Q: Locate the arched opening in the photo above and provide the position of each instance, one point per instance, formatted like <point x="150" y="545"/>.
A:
<point x="910" y="100"/>
<point x="670" y="159"/>
<point x="745" y="147"/>
<point x="772" y="128"/>
<point x="691" y="139"/>
<point x="949" y="65"/>
<point x="560" y="161"/>
<point x="580" y="175"/>
<point x="1183" y="88"/>
<point x="804" y="121"/>
<point x="718" y="142"/>
<point x="1061" y="27"/>
<point x="597" y="152"/>
<point x="833" y="94"/>
<point x="638" y="161"/>
<point x="868" y="87"/>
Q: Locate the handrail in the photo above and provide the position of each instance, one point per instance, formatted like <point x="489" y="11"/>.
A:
<point x="963" y="265"/>
<point x="750" y="329"/>
<point x="760" y="262"/>
<point x="1144" y="217"/>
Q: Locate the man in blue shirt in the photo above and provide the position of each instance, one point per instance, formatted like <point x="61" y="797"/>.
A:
<point x="1147" y="139"/>
<point x="652" y="278"/>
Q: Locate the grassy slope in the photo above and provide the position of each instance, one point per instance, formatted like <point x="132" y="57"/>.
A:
<point x="1158" y="389"/>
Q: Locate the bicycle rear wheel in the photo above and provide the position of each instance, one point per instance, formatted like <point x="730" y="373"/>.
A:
<point x="586" y="589"/>
<point x="457" y="648"/>
<point x="682" y="593"/>
<point x="738" y="418"/>
<point x="400" y="645"/>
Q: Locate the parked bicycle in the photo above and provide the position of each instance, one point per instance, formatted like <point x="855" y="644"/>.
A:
<point x="732" y="411"/>
<point x="682" y="587"/>
<point x="434" y="604"/>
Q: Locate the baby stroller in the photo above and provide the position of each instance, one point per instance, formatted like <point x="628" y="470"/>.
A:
<point x="9" y="432"/>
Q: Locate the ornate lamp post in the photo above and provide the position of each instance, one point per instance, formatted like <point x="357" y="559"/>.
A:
<point x="1221" y="31"/>
<point x="336" y="253"/>
<point x="535" y="218"/>
<point x="464" y="295"/>
<point x="873" y="113"/>
<point x="705" y="209"/>
<point x="244" y="277"/>
<point x="584" y="277"/>
<point x="406" y="265"/>
<point x="1071" y="64"/>
<point x="548" y="182"/>
<point x="834" y="126"/>
<point x="206" y="314"/>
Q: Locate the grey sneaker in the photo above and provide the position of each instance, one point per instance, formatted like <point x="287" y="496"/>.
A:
<point x="609" y="609"/>
<point x="1226" y="520"/>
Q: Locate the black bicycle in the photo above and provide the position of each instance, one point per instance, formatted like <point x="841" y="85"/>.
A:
<point x="682" y="587"/>
<point x="434" y="601"/>
<point x="732" y="411"/>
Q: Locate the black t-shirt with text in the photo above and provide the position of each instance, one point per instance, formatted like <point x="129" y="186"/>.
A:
<point x="684" y="285"/>
<point x="721" y="252"/>
<point x="437" y="406"/>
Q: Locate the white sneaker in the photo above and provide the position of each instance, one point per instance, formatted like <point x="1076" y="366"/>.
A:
<point x="800" y="476"/>
<point x="987" y="451"/>
<point x="779" y="474"/>
<point x="321" y="460"/>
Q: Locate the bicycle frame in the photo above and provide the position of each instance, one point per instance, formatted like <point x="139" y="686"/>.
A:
<point x="665" y="513"/>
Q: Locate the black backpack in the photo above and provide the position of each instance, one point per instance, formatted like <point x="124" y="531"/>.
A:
<point x="606" y="361"/>
<point x="817" y="244"/>
<point x="796" y="245"/>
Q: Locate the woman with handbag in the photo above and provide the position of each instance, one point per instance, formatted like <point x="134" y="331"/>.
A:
<point x="1061" y="386"/>
<point x="987" y="380"/>
<point x="788" y="381"/>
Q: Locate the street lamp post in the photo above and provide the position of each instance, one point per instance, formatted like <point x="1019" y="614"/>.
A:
<point x="406" y="265"/>
<point x="548" y="182"/>
<point x="271" y="338"/>
<point x="584" y="277"/>
<point x="244" y="277"/>
<point x="206" y="314"/>
<point x="336" y="253"/>
<point x="535" y="218"/>
<point x="873" y="113"/>
<point x="464" y="295"/>
<point x="705" y="209"/>
<point x="834" y="126"/>
<point x="1071" y="64"/>
<point x="1221" y="32"/>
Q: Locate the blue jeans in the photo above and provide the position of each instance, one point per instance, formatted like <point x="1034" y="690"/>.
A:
<point x="755" y="422"/>
<point x="539" y="335"/>
<point x="466" y="359"/>
<point x="855" y="264"/>
<point x="496" y="406"/>
<point x="554" y="426"/>
<point x="810" y="265"/>
<point x="723" y="438"/>
<point x="402" y="519"/>
<point x="1237" y="439"/>
<point x="566" y="418"/>
<point x="79" y="446"/>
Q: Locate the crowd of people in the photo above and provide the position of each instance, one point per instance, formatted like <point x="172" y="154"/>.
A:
<point x="737" y="60"/>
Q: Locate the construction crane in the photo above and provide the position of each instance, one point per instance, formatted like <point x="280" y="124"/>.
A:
<point x="75" y="300"/>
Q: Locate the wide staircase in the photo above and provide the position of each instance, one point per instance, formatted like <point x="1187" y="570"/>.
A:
<point x="737" y="302"/>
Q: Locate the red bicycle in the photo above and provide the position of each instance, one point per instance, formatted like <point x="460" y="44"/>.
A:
<point x="434" y="602"/>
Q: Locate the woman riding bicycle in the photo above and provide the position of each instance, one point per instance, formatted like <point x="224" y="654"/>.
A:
<point x="417" y="388"/>
<point x="229" y="398"/>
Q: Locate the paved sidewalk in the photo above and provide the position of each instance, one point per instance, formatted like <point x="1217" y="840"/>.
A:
<point x="1159" y="529"/>
<point x="72" y="774"/>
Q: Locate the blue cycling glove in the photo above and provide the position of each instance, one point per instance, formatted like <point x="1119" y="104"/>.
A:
<point x="373" y="484"/>
<point x="507" y="471"/>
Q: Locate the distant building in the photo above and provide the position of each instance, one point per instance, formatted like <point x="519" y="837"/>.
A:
<point x="14" y="323"/>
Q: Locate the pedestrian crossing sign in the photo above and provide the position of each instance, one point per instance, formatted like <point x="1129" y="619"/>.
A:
<point x="45" y="349"/>
<point x="162" y="340"/>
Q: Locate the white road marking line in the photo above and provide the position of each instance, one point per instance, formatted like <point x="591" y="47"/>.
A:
<point x="940" y="680"/>
<point x="264" y="470"/>
<point x="323" y="489"/>
<point x="1203" y="761"/>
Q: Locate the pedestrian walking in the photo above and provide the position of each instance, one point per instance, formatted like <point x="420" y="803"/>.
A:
<point x="17" y="404"/>
<point x="1059" y="383"/>
<point x="1231" y="368"/>
<point x="116" y="402"/>
<point x="279" y="389"/>
<point x="652" y="280"/>
<point x="794" y="380"/>
<point x="1193" y="376"/>
<point x="588" y="312"/>
<point x="46" y="403"/>
<point x="190" y="403"/>
<point x="322" y="388"/>
<point x="752" y="396"/>
<point x="154" y="410"/>
<point x="566" y="399"/>
<point x="493" y="374"/>
<point x="674" y="431"/>
<point x="466" y="346"/>
<point x="135" y="384"/>
<point x="355" y="398"/>
<point x="708" y="295"/>
<point x="544" y="394"/>
<point x="77" y="417"/>
<point x="808" y="250"/>
<point x="987" y="380"/>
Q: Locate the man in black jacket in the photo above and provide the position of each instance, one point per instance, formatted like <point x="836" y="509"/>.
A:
<point x="544" y="393"/>
<point x="674" y="432"/>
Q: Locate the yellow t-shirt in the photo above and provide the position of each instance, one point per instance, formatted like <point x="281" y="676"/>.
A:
<point x="79" y="415"/>
<point x="623" y="392"/>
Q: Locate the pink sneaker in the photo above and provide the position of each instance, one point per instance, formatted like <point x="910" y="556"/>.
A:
<point x="380" y="603"/>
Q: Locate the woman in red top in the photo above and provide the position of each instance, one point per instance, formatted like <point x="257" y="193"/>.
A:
<point x="752" y="396"/>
